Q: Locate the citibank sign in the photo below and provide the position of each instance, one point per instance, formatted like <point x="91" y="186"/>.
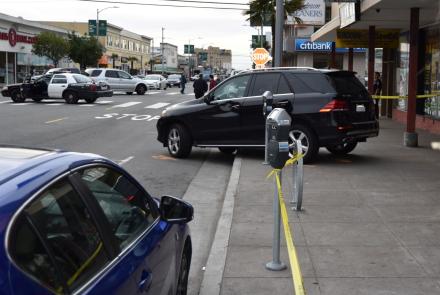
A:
<point x="307" y="45"/>
<point x="15" y="38"/>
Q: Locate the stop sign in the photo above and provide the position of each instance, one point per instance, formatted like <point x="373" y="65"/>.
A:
<point x="260" y="56"/>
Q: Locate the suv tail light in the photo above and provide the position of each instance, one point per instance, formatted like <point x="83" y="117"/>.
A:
<point x="335" y="105"/>
<point x="92" y="87"/>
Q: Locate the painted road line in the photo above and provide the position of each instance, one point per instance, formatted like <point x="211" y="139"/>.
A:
<point x="50" y="100"/>
<point x="190" y="94"/>
<point x="22" y="104"/>
<point x="153" y="92"/>
<point x="54" y="104"/>
<point x="127" y="104"/>
<point x="172" y="93"/>
<point x="4" y="101"/>
<point x="157" y="105"/>
<point x="56" y="120"/>
<point x="86" y="105"/>
<point x="122" y="162"/>
<point x="104" y="101"/>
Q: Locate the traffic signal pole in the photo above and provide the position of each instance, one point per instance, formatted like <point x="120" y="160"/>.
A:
<point x="279" y="32"/>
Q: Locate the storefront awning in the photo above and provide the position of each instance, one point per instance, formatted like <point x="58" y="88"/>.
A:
<point x="103" y="60"/>
<point x="385" y="14"/>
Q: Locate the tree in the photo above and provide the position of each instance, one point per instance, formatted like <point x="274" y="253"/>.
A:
<point x="114" y="57"/>
<point x="260" y="8"/>
<point x="85" y="50"/>
<point x="51" y="45"/>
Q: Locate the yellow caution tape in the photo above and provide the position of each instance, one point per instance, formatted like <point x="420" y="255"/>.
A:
<point x="293" y="258"/>
<point x="403" y="96"/>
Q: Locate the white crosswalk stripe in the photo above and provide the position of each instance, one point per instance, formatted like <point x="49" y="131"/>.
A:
<point x="86" y="105"/>
<point x="104" y="101"/>
<point x="190" y="94"/>
<point x="6" y="101"/>
<point x="172" y="93"/>
<point x="153" y="92"/>
<point x="157" y="105"/>
<point x="21" y="104"/>
<point x="54" y="104"/>
<point x="127" y="104"/>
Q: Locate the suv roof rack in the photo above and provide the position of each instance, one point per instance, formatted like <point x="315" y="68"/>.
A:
<point x="279" y="68"/>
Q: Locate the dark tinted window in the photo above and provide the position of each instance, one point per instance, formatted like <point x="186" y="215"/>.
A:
<point x="233" y="88"/>
<point x="283" y="87"/>
<point x="348" y="84"/>
<point x="96" y="73"/>
<point x="265" y="82"/>
<point x="123" y="203"/>
<point x="111" y="74"/>
<point x="68" y="229"/>
<point x="310" y="82"/>
<point x="30" y="255"/>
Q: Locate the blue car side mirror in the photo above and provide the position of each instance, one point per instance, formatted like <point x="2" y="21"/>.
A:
<point x="175" y="210"/>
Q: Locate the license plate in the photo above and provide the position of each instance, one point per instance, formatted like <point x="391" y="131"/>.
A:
<point x="360" y="108"/>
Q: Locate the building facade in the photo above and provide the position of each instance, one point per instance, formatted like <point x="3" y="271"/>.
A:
<point x="215" y="58"/>
<point x="16" y="58"/>
<point x="168" y="54"/>
<point x="124" y="50"/>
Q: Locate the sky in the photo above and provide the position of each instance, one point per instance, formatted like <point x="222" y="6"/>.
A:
<point x="227" y="29"/>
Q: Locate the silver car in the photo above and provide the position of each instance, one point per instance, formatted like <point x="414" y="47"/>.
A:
<point x="118" y="80"/>
<point x="155" y="81"/>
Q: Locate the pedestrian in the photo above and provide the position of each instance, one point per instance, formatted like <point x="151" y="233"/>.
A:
<point x="200" y="87"/>
<point x="377" y="89"/>
<point x="212" y="82"/>
<point x="182" y="83"/>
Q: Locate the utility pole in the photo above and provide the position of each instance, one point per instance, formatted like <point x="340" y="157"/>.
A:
<point x="161" y="45"/>
<point x="279" y="32"/>
<point x="261" y="32"/>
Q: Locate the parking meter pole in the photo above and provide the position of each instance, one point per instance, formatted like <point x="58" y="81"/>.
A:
<point x="298" y="178"/>
<point x="267" y="108"/>
<point x="276" y="263"/>
<point x="266" y="139"/>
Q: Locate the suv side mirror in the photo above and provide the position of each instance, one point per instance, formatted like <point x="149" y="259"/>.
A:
<point x="174" y="210"/>
<point x="209" y="97"/>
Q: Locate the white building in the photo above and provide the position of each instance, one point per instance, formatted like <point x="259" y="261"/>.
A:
<point x="170" y="60"/>
<point x="16" y="58"/>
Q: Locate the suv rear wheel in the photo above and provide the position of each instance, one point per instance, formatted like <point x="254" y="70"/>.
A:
<point x="342" y="149"/>
<point x="179" y="141"/>
<point x="308" y="140"/>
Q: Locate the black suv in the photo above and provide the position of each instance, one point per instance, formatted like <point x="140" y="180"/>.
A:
<point x="329" y="109"/>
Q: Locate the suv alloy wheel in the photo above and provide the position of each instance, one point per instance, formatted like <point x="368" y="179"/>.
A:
<point x="308" y="140"/>
<point x="179" y="141"/>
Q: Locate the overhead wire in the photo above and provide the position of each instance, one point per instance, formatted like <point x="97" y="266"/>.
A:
<point x="165" y="5"/>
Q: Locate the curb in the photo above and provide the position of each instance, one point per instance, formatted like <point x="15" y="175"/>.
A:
<point x="213" y="276"/>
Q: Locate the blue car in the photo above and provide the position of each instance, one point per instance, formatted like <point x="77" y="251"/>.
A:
<point x="73" y="223"/>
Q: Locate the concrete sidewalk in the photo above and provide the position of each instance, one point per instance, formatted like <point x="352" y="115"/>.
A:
<point x="371" y="224"/>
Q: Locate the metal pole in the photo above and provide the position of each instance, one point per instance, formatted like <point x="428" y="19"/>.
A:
<point x="266" y="142"/>
<point x="276" y="263"/>
<point x="261" y="32"/>
<point x="97" y="23"/>
<point x="298" y="178"/>
<point x="279" y="32"/>
<point x="161" y="46"/>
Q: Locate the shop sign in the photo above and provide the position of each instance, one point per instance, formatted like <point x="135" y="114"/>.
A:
<point x="15" y="38"/>
<point x="385" y="38"/>
<point x="313" y="13"/>
<point x="349" y="13"/>
<point x="306" y="45"/>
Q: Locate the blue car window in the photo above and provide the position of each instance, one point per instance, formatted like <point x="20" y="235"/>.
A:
<point x="68" y="230"/>
<point x="126" y="207"/>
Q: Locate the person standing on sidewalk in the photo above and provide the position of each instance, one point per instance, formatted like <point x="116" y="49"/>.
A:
<point x="377" y="89"/>
<point x="182" y="83"/>
<point x="212" y="82"/>
<point x="200" y="87"/>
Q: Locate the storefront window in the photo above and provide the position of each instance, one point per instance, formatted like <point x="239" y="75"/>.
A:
<point x="402" y="72"/>
<point x="2" y="67"/>
<point x="432" y="72"/>
<point x="11" y="67"/>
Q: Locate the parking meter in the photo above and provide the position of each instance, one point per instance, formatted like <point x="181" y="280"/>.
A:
<point x="267" y="103"/>
<point x="278" y="126"/>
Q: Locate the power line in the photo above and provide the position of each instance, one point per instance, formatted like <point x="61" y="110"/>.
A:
<point x="161" y="5"/>
<point x="206" y="2"/>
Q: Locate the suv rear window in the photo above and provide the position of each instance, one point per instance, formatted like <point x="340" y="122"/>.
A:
<point x="347" y="84"/>
<point x="310" y="82"/>
<point x="95" y="73"/>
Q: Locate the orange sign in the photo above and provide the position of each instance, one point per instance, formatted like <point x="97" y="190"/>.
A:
<point x="260" y="56"/>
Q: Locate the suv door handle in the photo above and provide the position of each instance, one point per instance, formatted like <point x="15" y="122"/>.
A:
<point x="145" y="282"/>
<point x="282" y="103"/>
<point x="235" y="107"/>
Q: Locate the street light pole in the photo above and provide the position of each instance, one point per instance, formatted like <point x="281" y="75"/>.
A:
<point x="98" y="11"/>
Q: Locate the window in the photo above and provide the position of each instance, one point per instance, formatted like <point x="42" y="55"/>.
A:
<point x="265" y="82"/>
<point x="123" y="203"/>
<point x="59" y="79"/>
<point x="109" y="40"/>
<point x="81" y="79"/>
<point x="111" y="74"/>
<point x="234" y="88"/>
<point x="309" y="83"/>
<point x="283" y="86"/>
<point x="96" y="73"/>
<point x="123" y="75"/>
<point x="66" y="227"/>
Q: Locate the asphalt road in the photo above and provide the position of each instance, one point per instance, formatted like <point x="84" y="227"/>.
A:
<point x="123" y="128"/>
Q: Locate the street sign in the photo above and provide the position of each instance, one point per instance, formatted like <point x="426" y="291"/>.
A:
<point x="260" y="56"/>
<point x="188" y="49"/>
<point x="102" y="28"/>
<point x="92" y="27"/>
<point x="203" y="56"/>
<point x="256" y="41"/>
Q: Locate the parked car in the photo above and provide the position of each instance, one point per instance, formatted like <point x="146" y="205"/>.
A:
<point x="118" y="80"/>
<point x="173" y="80"/>
<point x="329" y="109"/>
<point x="70" y="87"/>
<point x="156" y="81"/>
<point x="74" y="223"/>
